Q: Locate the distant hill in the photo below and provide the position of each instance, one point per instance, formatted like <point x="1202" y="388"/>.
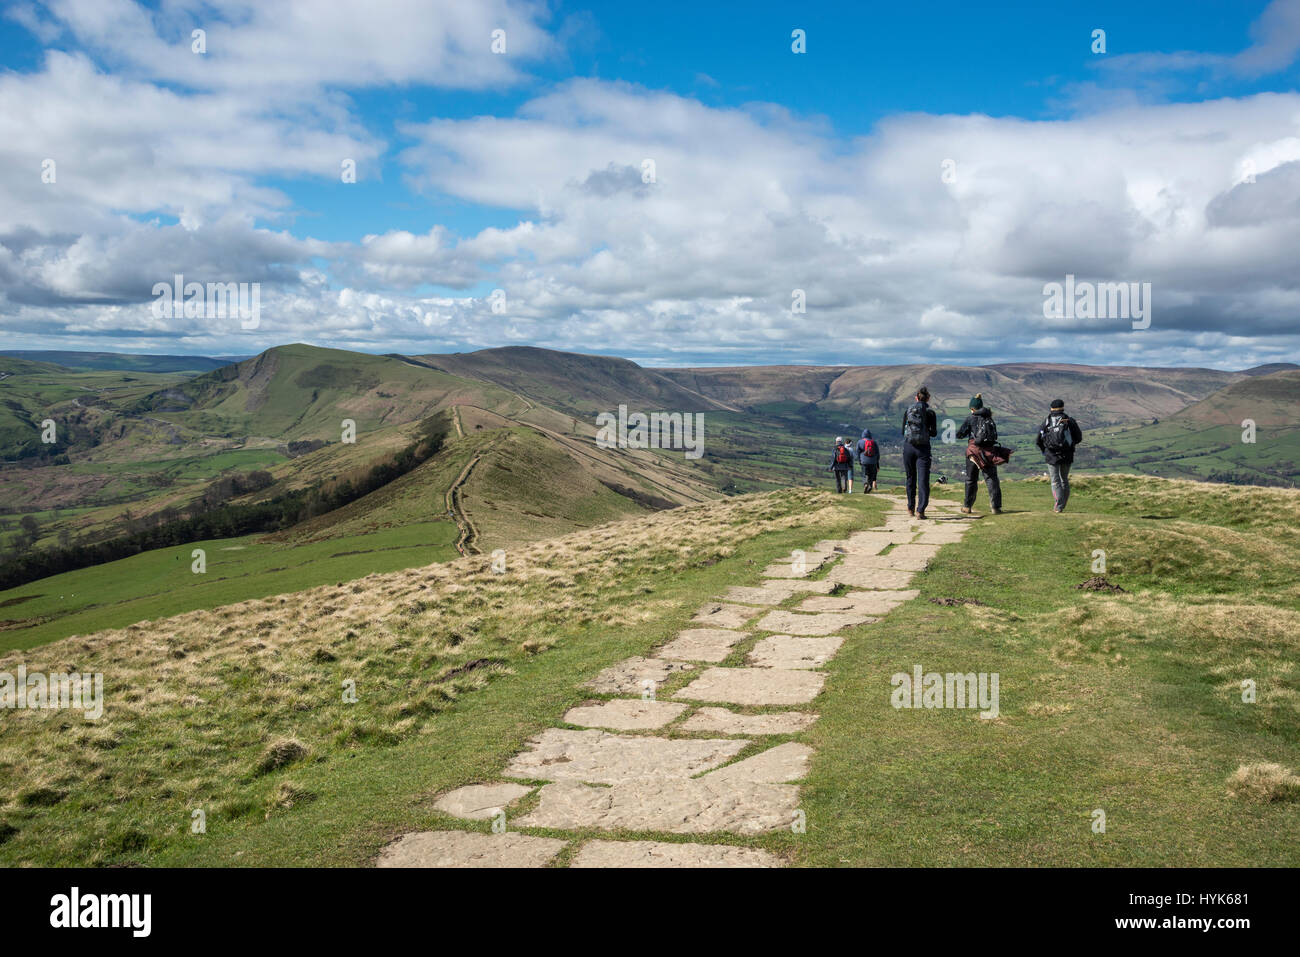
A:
<point x="1018" y="392"/>
<point x="571" y="382"/>
<point x="127" y="362"/>
<point x="1208" y="440"/>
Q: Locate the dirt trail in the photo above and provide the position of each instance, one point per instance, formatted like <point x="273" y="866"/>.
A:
<point x="465" y="539"/>
<point x="632" y="758"/>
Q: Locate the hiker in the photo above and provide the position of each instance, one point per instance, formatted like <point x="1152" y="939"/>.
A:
<point x="919" y="426"/>
<point x="982" y="432"/>
<point x="869" y="455"/>
<point x="842" y="466"/>
<point x="1057" y="437"/>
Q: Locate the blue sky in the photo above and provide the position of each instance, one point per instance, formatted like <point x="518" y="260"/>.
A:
<point x="1171" y="158"/>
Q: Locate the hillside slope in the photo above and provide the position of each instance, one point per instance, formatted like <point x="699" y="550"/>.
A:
<point x="1130" y="701"/>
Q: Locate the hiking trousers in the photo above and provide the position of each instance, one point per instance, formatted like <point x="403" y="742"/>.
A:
<point x="990" y="479"/>
<point x="842" y="480"/>
<point x="1060" y="474"/>
<point x="869" y="470"/>
<point x="916" y="463"/>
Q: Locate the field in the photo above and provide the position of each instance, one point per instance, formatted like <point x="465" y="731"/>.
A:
<point x="1127" y="702"/>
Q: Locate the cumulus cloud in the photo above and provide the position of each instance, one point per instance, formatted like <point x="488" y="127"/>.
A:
<point x="651" y="224"/>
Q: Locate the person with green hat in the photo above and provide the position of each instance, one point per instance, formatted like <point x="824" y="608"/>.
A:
<point x="980" y="429"/>
<point x="1057" y="438"/>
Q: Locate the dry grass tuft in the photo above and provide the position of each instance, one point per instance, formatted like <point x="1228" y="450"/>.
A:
<point x="1264" y="783"/>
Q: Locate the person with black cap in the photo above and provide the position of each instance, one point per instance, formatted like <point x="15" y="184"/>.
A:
<point x="919" y="426"/>
<point x="1057" y="438"/>
<point x="983" y="434"/>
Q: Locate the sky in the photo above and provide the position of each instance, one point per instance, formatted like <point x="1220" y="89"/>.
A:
<point x="677" y="183"/>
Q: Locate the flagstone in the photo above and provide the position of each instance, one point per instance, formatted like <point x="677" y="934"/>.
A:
<point x="674" y="806"/>
<point x="702" y="644"/>
<point x="670" y="854"/>
<point x="864" y="577"/>
<point x="775" y="591"/>
<point x="625" y="714"/>
<point x="469" y="849"/>
<point x="794" y="651"/>
<point x="794" y="623"/>
<point x="599" y="757"/>
<point x="726" y="721"/>
<point x="873" y="603"/>
<point x="478" y="802"/>
<point x="754" y="686"/>
<point x="630" y="676"/>
<point x="723" y="615"/>
<point x="785" y="762"/>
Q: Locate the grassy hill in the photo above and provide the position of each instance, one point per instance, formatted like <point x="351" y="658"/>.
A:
<point x="1126" y="701"/>
<point x="1019" y="393"/>
<point x="1206" y="439"/>
<point x="581" y="385"/>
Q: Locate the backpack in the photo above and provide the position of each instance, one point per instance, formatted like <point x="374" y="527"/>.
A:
<point x="869" y="449"/>
<point x="915" y="429"/>
<point x="842" y="456"/>
<point x="1056" y="434"/>
<point x="984" y="432"/>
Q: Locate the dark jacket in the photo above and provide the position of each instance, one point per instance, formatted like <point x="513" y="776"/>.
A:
<point x="873" y="460"/>
<point x="842" y="466"/>
<point x="1059" y="458"/>
<point x="968" y="427"/>
<point x="931" y="424"/>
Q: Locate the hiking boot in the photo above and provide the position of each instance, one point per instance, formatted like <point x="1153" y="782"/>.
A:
<point x="997" y="511"/>
<point x="966" y="511"/>
<point x="912" y="512"/>
<point x="920" y="516"/>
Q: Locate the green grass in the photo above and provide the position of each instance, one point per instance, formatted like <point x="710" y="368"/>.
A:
<point x="160" y="583"/>
<point x="1130" y="704"/>
<point x="1127" y="703"/>
<point x="125" y="792"/>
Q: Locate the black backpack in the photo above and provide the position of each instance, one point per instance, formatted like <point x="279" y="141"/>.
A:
<point x="984" y="432"/>
<point x="1057" y="438"/>
<point x="915" y="428"/>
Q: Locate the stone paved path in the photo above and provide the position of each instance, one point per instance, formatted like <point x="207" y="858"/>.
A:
<point x="672" y="765"/>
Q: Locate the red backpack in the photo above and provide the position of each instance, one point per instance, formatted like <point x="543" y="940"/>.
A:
<point x="842" y="454"/>
<point x="868" y="448"/>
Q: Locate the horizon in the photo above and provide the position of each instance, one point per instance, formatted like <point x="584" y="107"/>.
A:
<point x="602" y="355"/>
<point x="698" y="189"/>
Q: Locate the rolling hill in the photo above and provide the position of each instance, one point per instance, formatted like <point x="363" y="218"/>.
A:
<point x="1208" y="439"/>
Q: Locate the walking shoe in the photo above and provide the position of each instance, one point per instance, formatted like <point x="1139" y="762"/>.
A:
<point x="912" y="512"/>
<point x="997" y="511"/>
<point x="966" y="511"/>
<point x="920" y="516"/>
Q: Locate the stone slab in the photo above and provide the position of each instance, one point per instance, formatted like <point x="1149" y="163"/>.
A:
<point x="754" y="686"/>
<point x="469" y="849"/>
<point x="873" y="603"/>
<point x="667" y="854"/>
<point x="676" y="807"/>
<point x="862" y="577"/>
<point x="702" y="644"/>
<point x="725" y="721"/>
<point x="629" y="676"/>
<point x="478" y="802"/>
<point x="723" y="615"/>
<point x="827" y="623"/>
<point x="625" y="714"/>
<point x="794" y="651"/>
<point x="775" y="591"/>
<point x="785" y="762"/>
<point x="599" y="757"/>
